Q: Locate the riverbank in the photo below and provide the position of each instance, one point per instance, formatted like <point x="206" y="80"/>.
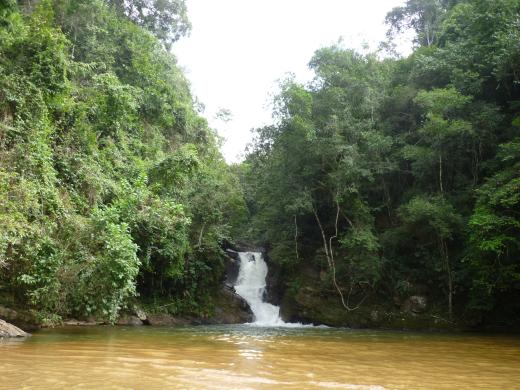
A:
<point x="366" y="318"/>
<point x="227" y="308"/>
<point x="305" y="303"/>
<point x="8" y="330"/>
<point x="392" y="321"/>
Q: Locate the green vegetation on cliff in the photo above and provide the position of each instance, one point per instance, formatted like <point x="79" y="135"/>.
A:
<point x="401" y="176"/>
<point x="111" y="184"/>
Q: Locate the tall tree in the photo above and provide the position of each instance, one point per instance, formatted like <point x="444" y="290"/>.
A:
<point x="166" y="19"/>
<point x="422" y="16"/>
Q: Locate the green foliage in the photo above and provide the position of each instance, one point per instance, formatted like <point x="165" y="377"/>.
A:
<point x="434" y="216"/>
<point x="308" y="175"/>
<point x="495" y="235"/>
<point x="400" y="176"/>
<point x="111" y="186"/>
<point x="423" y="16"/>
<point x="166" y="19"/>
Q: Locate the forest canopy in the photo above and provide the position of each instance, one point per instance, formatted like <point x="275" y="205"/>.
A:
<point x="398" y="176"/>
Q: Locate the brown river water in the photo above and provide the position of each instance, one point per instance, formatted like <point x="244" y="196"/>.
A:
<point x="245" y="357"/>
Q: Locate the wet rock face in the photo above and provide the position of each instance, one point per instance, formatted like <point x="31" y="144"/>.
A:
<point x="230" y="308"/>
<point x="232" y="267"/>
<point x="129" y="320"/>
<point x="9" y="330"/>
<point x="273" y="287"/>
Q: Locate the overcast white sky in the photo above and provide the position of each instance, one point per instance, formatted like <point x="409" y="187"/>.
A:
<point x="239" y="49"/>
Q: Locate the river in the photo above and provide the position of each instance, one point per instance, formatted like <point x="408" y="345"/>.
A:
<point x="249" y="357"/>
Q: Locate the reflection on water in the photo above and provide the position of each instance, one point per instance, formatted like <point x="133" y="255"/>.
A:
<point x="244" y="357"/>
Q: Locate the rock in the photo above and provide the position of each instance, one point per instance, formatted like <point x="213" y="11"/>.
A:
<point x="164" y="319"/>
<point x="74" y="322"/>
<point x="129" y="320"/>
<point x="307" y="297"/>
<point x="246" y="247"/>
<point x="230" y="308"/>
<point x="309" y="305"/>
<point x="232" y="267"/>
<point x="9" y="330"/>
<point x="232" y="253"/>
<point x="415" y="304"/>
<point x="25" y="319"/>
<point x="273" y="288"/>
<point x="140" y="313"/>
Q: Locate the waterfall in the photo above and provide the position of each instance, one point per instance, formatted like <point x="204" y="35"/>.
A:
<point x="250" y="285"/>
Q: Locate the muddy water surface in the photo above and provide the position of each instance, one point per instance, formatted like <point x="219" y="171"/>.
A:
<point x="245" y="357"/>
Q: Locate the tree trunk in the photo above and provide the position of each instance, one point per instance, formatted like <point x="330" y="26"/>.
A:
<point x="199" y="243"/>
<point x="447" y="265"/>
<point x="296" y="237"/>
<point x="329" y="253"/>
<point x="440" y="174"/>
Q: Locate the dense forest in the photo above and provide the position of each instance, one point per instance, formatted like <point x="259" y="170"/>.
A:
<point x="111" y="183"/>
<point x="384" y="178"/>
<point x="401" y="176"/>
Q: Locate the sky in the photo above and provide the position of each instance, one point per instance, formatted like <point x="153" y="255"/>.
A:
<point x="239" y="50"/>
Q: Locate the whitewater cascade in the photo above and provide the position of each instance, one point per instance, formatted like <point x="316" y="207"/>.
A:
<point x="251" y="284"/>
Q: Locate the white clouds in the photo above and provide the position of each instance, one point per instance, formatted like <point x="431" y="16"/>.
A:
<point x="238" y="50"/>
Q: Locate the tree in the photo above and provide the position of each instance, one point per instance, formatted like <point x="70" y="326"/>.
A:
<point x="441" y="129"/>
<point x="423" y="16"/>
<point x="371" y="172"/>
<point x="424" y="218"/>
<point x="495" y="237"/>
<point x="315" y="157"/>
<point x="166" y="19"/>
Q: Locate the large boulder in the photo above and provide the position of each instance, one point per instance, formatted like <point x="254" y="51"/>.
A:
<point x="134" y="316"/>
<point x="415" y="304"/>
<point x="9" y="330"/>
<point x="141" y="314"/>
<point x="273" y="288"/>
<point x="129" y="320"/>
<point x="232" y="264"/>
<point x="165" y="319"/>
<point x="230" y="308"/>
